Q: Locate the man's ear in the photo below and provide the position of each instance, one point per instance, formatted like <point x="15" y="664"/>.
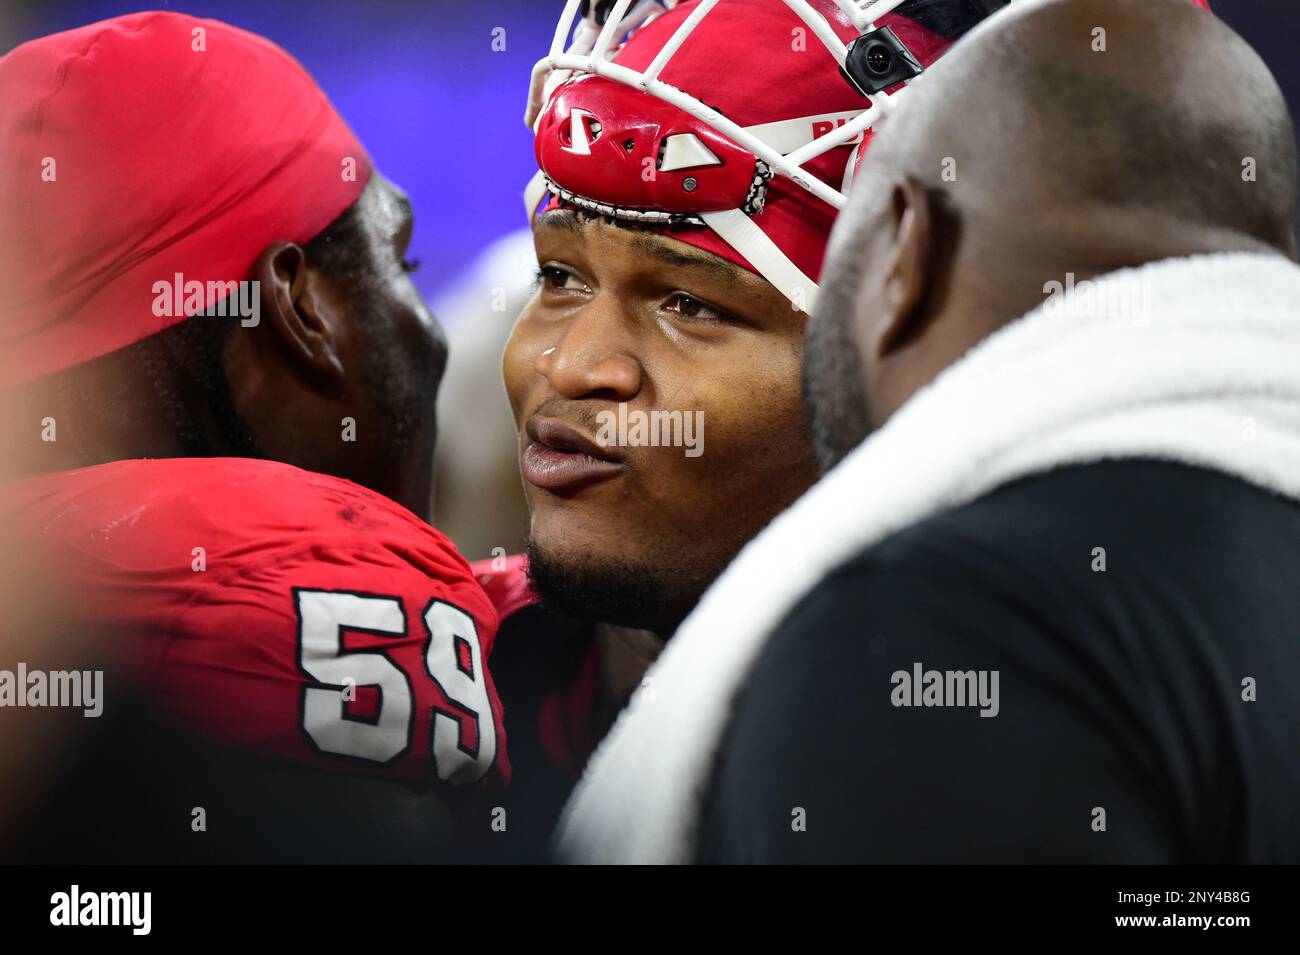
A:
<point x="301" y="309"/>
<point x="907" y="272"/>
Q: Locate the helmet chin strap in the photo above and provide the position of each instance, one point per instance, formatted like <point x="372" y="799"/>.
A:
<point x="741" y="233"/>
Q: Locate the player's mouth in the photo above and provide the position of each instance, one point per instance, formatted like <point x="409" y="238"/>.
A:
<point x="561" y="458"/>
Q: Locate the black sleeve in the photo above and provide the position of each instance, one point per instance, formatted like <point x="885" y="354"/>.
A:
<point x="1102" y="707"/>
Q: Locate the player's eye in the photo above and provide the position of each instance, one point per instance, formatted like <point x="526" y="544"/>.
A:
<point x="410" y="265"/>
<point x="693" y="309"/>
<point x="557" y="279"/>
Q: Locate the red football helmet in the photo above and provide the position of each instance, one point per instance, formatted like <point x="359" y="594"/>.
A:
<point x="736" y="125"/>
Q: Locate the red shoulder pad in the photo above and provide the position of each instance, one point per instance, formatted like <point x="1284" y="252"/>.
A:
<point x="280" y="611"/>
<point x="505" y="579"/>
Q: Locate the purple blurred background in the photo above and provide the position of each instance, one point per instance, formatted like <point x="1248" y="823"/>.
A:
<point x="442" y="112"/>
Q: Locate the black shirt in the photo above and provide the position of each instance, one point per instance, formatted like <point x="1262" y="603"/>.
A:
<point x="1119" y="690"/>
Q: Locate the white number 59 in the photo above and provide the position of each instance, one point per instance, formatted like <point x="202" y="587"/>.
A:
<point x="324" y="615"/>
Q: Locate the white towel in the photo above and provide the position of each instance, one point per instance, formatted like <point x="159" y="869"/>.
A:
<point x="1193" y="360"/>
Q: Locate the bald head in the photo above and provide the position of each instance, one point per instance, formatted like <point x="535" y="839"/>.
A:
<point x="1061" y="136"/>
<point x="1149" y="103"/>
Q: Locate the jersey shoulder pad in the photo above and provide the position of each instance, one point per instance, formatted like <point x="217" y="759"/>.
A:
<point x="505" y="579"/>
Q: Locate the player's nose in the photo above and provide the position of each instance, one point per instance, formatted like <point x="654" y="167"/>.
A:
<point x="594" y="355"/>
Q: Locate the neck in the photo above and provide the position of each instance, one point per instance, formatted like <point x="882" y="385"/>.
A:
<point x="625" y="655"/>
<point x="56" y="435"/>
<point x="93" y="414"/>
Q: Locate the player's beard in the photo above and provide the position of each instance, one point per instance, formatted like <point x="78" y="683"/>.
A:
<point x="643" y="595"/>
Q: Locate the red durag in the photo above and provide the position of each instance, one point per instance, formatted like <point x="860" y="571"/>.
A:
<point x="151" y="148"/>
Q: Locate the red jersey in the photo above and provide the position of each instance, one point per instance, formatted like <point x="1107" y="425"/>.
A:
<point x="280" y="611"/>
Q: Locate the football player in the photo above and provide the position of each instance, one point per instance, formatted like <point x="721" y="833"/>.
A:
<point x="227" y="379"/>
<point x="689" y="178"/>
